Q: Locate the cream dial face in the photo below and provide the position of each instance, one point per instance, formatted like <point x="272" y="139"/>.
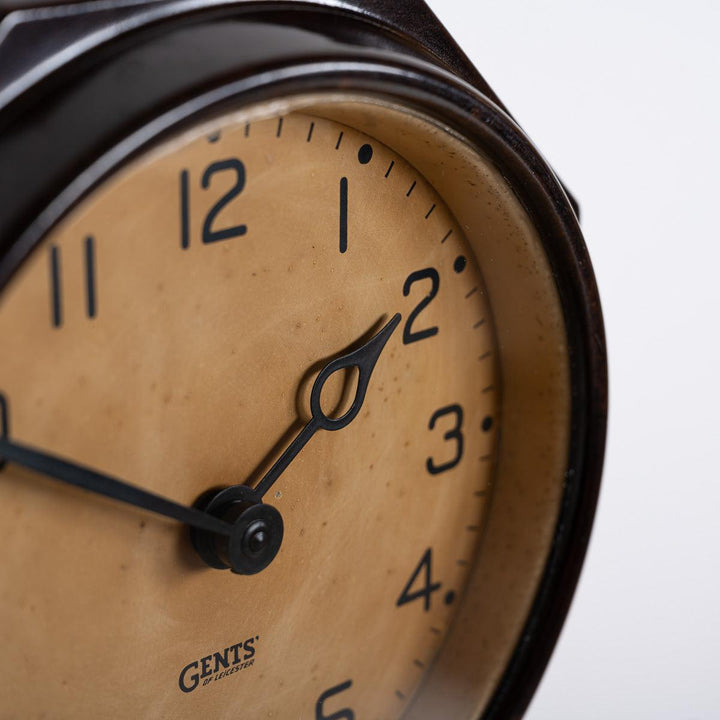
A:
<point x="167" y="333"/>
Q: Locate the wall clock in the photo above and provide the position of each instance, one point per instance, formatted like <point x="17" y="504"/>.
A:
<point x="302" y="390"/>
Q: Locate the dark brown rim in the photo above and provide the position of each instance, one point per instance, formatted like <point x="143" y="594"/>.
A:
<point x="439" y="95"/>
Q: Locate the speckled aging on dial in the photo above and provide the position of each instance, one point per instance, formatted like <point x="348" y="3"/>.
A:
<point x="168" y="336"/>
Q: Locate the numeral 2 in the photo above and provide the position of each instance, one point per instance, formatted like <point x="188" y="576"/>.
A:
<point x="344" y="714"/>
<point x="210" y="233"/>
<point x="410" y="335"/>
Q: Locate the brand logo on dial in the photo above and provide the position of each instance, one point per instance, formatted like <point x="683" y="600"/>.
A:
<point x="219" y="665"/>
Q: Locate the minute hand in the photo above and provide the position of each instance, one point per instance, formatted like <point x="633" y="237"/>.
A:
<point x="96" y="482"/>
<point x="364" y="359"/>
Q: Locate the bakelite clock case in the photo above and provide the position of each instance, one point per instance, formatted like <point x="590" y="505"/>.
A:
<point x="74" y="109"/>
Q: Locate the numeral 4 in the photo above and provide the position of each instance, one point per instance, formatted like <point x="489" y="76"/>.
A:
<point x="426" y="586"/>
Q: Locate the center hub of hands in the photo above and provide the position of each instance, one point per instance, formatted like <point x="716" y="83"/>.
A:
<point x="256" y="537"/>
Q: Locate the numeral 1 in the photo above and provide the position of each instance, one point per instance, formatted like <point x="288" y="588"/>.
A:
<point x="55" y="286"/>
<point x="4" y="423"/>
<point x="91" y="290"/>
<point x="343" y="214"/>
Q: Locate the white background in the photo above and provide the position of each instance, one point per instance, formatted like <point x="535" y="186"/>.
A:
<point x="623" y="98"/>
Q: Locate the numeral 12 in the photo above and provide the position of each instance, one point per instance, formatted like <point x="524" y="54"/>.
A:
<point x="211" y="233"/>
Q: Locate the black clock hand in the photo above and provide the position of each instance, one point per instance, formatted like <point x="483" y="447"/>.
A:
<point x="364" y="359"/>
<point x="252" y="539"/>
<point x="96" y="482"/>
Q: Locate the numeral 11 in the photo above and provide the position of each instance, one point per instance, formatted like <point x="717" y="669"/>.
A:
<point x="56" y="285"/>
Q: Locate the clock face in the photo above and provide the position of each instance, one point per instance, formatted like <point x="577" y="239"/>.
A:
<point x="169" y="332"/>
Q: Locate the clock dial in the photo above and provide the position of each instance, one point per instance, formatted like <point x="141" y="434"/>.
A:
<point x="168" y="332"/>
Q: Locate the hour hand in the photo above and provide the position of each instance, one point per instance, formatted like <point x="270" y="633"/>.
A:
<point x="364" y="359"/>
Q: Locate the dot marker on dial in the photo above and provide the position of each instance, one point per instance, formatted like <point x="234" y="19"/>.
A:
<point x="365" y="154"/>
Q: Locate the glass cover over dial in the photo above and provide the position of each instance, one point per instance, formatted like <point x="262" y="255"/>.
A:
<point x="168" y="333"/>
